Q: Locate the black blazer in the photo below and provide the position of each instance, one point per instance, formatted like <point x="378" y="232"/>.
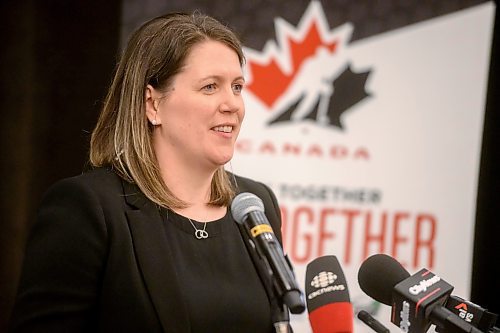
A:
<point x="98" y="259"/>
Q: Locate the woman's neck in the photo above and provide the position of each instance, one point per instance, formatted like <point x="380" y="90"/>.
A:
<point x="194" y="189"/>
<point x="190" y="182"/>
<point x="189" y="185"/>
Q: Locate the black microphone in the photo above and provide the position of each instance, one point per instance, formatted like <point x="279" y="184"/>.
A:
<point x="371" y="322"/>
<point x="327" y="296"/>
<point x="248" y="210"/>
<point x="472" y="313"/>
<point x="417" y="301"/>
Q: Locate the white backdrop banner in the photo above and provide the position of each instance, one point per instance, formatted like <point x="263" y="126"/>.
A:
<point x="371" y="146"/>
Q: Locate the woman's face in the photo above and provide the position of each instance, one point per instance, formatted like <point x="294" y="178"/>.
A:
<point x="201" y="114"/>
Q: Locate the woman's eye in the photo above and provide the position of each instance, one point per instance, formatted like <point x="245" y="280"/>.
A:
<point x="209" y="87"/>
<point x="237" y="88"/>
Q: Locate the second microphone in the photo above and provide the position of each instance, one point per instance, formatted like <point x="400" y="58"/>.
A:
<point x="248" y="210"/>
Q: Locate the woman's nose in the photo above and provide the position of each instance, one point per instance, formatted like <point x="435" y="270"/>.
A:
<point x="230" y="101"/>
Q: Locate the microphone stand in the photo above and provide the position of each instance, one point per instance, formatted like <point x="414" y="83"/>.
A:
<point x="447" y="322"/>
<point x="282" y="303"/>
<point x="280" y="314"/>
<point x="281" y="319"/>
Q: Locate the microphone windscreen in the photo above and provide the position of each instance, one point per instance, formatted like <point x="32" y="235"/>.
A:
<point x="245" y="203"/>
<point x="332" y="318"/>
<point x="378" y="275"/>
<point x="327" y="297"/>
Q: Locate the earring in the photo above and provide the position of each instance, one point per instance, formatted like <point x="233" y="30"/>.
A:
<point x="153" y="122"/>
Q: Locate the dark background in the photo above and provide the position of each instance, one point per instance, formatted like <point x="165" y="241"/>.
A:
<point x="56" y="62"/>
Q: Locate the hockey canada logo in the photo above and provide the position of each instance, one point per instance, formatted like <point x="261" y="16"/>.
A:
<point x="306" y="74"/>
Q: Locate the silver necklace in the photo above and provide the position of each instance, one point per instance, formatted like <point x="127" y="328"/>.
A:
<point x="199" y="233"/>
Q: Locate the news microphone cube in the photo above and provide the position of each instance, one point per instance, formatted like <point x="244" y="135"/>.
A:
<point x="415" y="297"/>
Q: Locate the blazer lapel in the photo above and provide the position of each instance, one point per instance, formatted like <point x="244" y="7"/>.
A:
<point x="156" y="260"/>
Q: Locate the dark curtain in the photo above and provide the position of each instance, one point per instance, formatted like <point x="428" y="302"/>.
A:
<point x="56" y="61"/>
<point x="485" y="282"/>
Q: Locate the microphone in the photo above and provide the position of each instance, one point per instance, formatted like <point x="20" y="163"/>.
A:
<point x="327" y="297"/>
<point x="371" y="322"/>
<point x="473" y="314"/>
<point x="417" y="301"/>
<point x="248" y="210"/>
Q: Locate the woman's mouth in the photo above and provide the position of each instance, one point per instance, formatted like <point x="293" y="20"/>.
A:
<point x="224" y="129"/>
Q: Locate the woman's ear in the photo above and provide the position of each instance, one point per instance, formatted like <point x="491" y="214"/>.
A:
<point x="152" y="101"/>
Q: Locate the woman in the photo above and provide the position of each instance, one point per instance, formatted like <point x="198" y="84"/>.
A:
<point x="144" y="242"/>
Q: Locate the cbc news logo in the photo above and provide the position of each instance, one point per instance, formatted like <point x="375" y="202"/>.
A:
<point x="323" y="279"/>
<point x="324" y="283"/>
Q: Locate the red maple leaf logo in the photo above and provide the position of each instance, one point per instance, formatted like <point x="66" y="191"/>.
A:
<point x="269" y="78"/>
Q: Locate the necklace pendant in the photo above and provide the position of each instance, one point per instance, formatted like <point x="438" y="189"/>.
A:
<point x="201" y="234"/>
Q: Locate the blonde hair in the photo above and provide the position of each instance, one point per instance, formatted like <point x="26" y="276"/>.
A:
<point x="122" y="138"/>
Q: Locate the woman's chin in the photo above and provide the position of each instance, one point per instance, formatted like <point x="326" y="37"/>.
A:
<point x="223" y="160"/>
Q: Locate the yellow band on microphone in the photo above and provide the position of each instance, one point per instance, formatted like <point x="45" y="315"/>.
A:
<point x="261" y="228"/>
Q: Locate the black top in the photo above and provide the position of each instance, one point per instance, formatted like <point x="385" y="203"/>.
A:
<point x="217" y="268"/>
<point x="101" y="257"/>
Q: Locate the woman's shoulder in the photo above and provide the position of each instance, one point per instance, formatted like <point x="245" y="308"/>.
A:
<point x="245" y="184"/>
<point x="259" y="188"/>
<point x="93" y="176"/>
<point x="99" y="181"/>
